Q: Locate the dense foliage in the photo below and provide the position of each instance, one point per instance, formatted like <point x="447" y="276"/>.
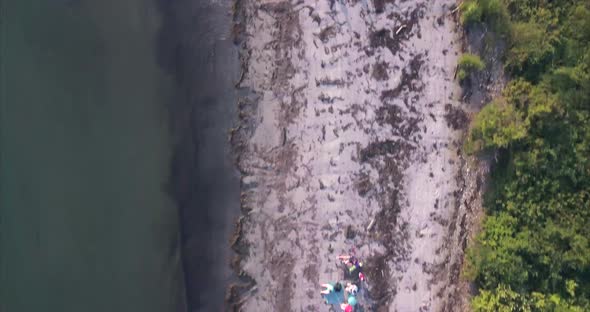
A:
<point x="533" y="253"/>
<point x="492" y="12"/>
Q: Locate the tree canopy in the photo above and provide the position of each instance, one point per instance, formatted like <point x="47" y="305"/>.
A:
<point x="533" y="253"/>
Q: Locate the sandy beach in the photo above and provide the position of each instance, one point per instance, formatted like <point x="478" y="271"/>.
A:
<point x="350" y="141"/>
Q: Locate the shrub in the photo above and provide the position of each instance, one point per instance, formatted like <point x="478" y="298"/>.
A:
<point x="530" y="49"/>
<point x="501" y="299"/>
<point x="471" y="13"/>
<point x="469" y="63"/>
<point x="497" y="125"/>
<point x="517" y="92"/>
<point x="533" y="253"/>
<point x="492" y="12"/>
<point x="504" y="299"/>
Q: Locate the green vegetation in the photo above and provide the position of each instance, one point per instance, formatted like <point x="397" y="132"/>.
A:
<point x="497" y="125"/>
<point x="492" y="12"/>
<point x="468" y="63"/>
<point x="533" y="253"/>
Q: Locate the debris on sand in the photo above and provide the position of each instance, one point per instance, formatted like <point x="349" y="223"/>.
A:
<point x="380" y="5"/>
<point x="343" y="145"/>
<point x="380" y="71"/>
<point x="456" y="117"/>
<point x="410" y="80"/>
<point x="407" y="27"/>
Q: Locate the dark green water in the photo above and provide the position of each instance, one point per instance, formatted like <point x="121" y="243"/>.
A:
<point x="84" y="155"/>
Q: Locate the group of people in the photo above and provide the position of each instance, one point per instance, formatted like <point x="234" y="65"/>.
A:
<point x="334" y="294"/>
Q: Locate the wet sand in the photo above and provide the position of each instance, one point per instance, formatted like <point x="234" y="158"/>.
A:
<point x="196" y="47"/>
<point x="115" y="118"/>
<point x="349" y="141"/>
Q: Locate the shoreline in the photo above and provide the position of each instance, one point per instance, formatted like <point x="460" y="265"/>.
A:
<point x="203" y="180"/>
<point x="473" y="179"/>
<point x="349" y="139"/>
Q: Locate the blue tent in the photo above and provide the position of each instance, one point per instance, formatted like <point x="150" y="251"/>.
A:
<point x="335" y="297"/>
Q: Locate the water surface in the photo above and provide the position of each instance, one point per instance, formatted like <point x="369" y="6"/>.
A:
<point x="85" y="222"/>
<point x="196" y="47"/>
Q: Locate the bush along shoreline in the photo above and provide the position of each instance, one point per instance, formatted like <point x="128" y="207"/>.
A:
<point x="533" y="252"/>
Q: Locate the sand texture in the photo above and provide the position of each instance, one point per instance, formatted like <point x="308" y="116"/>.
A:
<point x="349" y="141"/>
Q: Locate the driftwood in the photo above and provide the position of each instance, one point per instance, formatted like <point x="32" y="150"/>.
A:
<point x="457" y="8"/>
<point x="400" y="29"/>
<point x="246" y="296"/>
<point x="370" y="226"/>
<point x="242" y="75"/>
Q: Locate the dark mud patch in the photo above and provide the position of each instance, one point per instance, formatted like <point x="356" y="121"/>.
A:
<point x="378" y="273"/>
<point x="482" y="88"/>
<point x="350" y="232"/>
<point x="281" y="267"/>
<point x="393" y="234"/>
<point x="383" y="39"/>
<point x="238" y="290"/>
<point x="402" y="124"/>
<point x="239" y="22"/>
<point x="247" y="107"/>
<point x="390" y="114"/>
<point x="363" y="184"/>
<point x="380" y="71"/>
<point x="408" y="26"/>
<point x="239" y="246"/>
<point x="465" y="222"/>
<point x="387" y="220"/>
<point x="288" y="34"/>
<point x="236" y="293"/>
<point x="389" y="158"/>
<point x="398" y="148"/>
<point x="327" y="33"/>
<point x="410" y="80"/>
<point x="409" y="19"/>
<point x="455" y="117"/>
<point x="311" y="273"/>
<point x="291" y="110"/>
<point x="380" y="5"/>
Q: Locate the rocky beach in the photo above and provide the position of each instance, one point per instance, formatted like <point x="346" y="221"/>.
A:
<point x="350" y="141"/>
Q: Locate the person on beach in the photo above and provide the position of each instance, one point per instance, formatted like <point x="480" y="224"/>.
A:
<point x="361" y="276"/>
<point x="333" y="294"/>
<point x="349" y="304"/>
<point x="346" y="307"/>
<point x="351" y="301"/>
<point x="352" y="289"/>
<point x="347" y="258"/>
<point x="352" y="264"/>
<point x="331" y="288"/>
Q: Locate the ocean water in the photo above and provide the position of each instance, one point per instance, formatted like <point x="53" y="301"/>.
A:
<point x="86" y="222"/>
